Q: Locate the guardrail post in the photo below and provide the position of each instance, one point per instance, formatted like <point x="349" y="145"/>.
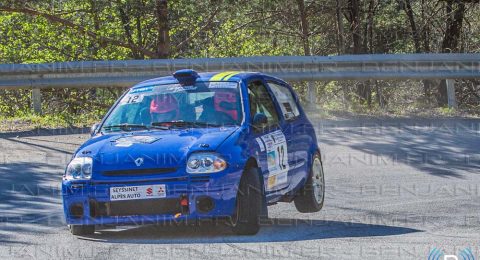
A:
<point x="452" y="103"/>
<point x="37" y="101"/>
<point x="311" y="94"/>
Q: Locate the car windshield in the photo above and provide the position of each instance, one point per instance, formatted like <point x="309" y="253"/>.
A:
<point x="205" y="104"/>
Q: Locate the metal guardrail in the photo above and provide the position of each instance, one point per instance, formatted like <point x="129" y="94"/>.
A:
<point x="84" y="74"/>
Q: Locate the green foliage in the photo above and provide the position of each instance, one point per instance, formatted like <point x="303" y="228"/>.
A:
<point x="129" y="29"/>
<point x="29" y="121"/>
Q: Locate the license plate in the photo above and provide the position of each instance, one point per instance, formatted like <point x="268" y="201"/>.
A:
<point x="138" y="192"/>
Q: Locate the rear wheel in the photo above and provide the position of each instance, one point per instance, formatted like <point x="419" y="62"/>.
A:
<point x="80" y="230"/>
<point x="246" y="218"/>
<point x="310" y="198"/>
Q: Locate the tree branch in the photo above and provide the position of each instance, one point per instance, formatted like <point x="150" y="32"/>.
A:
<point x="126" y="27"/>
<point x="207" y="23"/>
<point x="261" y="19"/>
<point x="81" y="29"/>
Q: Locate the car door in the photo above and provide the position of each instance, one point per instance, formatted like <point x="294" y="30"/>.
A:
<point x="272" y="152"/>
<point x="293" y="126"/>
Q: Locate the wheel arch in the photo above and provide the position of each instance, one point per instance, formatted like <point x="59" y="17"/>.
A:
<point x="312" y="154"/>
<point x="315" y="151"/>
<point x="251" y="163"/>
<point x="252" y="166"/>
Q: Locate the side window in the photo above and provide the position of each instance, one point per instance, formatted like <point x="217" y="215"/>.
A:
<point x="285" y="100"/>
<point x="261" y="102"/>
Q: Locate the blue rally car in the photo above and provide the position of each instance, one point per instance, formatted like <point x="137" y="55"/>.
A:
<point x="196" y="146"/>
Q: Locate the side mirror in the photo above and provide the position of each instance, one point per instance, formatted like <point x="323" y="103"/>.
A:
<point x="93" y="129"/>
<point x="260" y="120"/>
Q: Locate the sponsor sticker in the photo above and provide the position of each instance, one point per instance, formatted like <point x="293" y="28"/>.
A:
<point x="128" y="141"/>
<point x="260" y="143"/>
<point x="227" y="85"/>
<point x="138" y="192"/>
<point x="141" y="90"/>
<point x="277" y="159"/>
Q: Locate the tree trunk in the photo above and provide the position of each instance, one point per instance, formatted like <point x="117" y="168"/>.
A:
<point x="427" y="84"/>
<point x="371" y="14"/>
<point x="407" y="7"/>
<point x="138" y="24"/>
<point x="378" y="88"/>
<point x="125" y="19"/>
<point x="305" y="29"/>
<point x="417" y="41"/>
<point x="426" y="30"/>
<point x="455" y="13"/>
<point x="96" y="26"/>
<point x="341" y="49"/>
<point x="339" y="16"/>
<point x="163" y="39"/>
<point x="355" y="28"/>
<point x="363" y="89"/>
<point x="311" y="90"/>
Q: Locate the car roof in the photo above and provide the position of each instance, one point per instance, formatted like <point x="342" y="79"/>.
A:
<point x="232" y="76"/>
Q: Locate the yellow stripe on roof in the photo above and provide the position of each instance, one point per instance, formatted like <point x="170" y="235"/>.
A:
<point x="224" y="75"/>
<point x="220" y="76"/>
<point x="231" y="75"/>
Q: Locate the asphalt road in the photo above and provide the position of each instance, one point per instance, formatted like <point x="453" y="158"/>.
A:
<point x="396" y="189"/>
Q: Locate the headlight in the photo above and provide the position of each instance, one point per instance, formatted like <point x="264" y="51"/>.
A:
<point x="79" y="168"/>
<point x="205" y="163"/>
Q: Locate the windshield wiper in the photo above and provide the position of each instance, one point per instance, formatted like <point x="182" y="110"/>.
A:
<point x="125" y="127"/>
<point x="184" y="124"/>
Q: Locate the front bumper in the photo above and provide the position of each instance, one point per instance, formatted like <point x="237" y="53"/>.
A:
<point x="88" y="202"/>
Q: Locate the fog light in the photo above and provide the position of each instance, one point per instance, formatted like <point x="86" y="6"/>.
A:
<point x="205" y="204"/>
<point x="76" y="210"/>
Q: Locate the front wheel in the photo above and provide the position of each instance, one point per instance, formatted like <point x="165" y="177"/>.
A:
<point x="311" y="196"/>
<point x="249" y="204"/>
<point x="81" y="230"/>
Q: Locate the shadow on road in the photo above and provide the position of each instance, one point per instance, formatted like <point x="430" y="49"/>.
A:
<point x="443" y="148"/>
<point x="277" y="230"/>
<point x="46" y="132"/>
<point x="30" y="198"/>
<point x="35" y="145"/>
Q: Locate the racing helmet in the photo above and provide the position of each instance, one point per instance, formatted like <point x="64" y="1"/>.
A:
<point x="164" y="107"/>
<point x="229" y="97"/>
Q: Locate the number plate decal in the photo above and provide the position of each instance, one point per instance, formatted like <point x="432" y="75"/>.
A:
<point x="138" y="192"/>
<point x="277" y="159"/>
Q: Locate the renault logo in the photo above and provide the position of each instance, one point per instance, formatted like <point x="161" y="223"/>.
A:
<point x="139" y="161"/>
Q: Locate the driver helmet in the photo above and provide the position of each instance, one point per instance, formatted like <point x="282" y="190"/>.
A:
<point x="229" y="97"/>
<point x="164" y="108"/>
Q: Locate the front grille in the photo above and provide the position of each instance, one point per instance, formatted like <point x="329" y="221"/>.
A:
<point x="200" y="178"/>
<point x="136" y="207"/>
<point x="137" y="172"/>
<point x="130" y="182"/>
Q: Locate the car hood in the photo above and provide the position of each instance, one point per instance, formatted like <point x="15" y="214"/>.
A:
<point x="159" y="149"/>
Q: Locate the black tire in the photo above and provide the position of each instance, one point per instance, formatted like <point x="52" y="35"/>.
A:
<point x="249" y="205"/>
<point x="82" y="230"/>
<point x="307" y="200"/>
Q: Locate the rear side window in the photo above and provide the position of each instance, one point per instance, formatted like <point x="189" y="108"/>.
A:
<point x="285" y="100"/>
